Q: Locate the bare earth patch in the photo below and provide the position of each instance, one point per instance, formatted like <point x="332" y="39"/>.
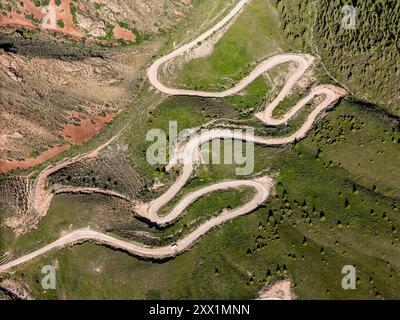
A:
<point x="8" y="165"/>
<point x="280" y="290"/>
<point x="122" y="33"/>
<point x="29" y="15"/>
<point x="88" y="126"/>
<point x="91" y="20"/>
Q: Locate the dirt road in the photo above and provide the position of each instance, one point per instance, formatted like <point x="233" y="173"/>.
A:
<point x="261" y="186"/>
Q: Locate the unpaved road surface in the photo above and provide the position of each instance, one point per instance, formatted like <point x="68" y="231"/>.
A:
<point x="262" y="186"/>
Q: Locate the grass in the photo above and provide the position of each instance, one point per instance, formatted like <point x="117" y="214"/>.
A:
<point x="202" y="16"/>
<point x="336" y="204"/>
<point x="286" y="104"/>
<point x="60" y="23"/>
<point x="202" y="210"/>
<point x="306" y="232"/>
<point x="362" y="145"/>
<point x="2" y="242"/>
<point x="252" y="38"/>
<point x="71" y="212"/>
<point x="68" y="212"/>
<point x="190" y="112"/>
<point x="363" y="59"/>
<point x="73" y="10"/>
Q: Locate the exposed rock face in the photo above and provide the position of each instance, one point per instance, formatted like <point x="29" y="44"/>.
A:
<point x="97" y="20"/>
<point x="15" y="289"/>
<point x="10" y="64"/>
<point x="47" y="75"/>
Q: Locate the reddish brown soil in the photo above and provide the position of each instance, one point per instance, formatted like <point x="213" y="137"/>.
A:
<point x="180" y="13"/>
<point x="122" y="33"/>
<point x="8" y="165"/>
<point x="62" y="12"/>
<point x="89" y="126"/>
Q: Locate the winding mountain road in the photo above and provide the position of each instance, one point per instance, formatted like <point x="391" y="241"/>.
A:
<point x="262" y="186"/>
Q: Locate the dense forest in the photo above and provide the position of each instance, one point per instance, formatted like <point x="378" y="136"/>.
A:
<point x="364" y="57"/>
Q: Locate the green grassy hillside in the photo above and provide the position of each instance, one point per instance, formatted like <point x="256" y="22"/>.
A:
<point x="337" y="196"/>
<point x="365" y="59"/>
